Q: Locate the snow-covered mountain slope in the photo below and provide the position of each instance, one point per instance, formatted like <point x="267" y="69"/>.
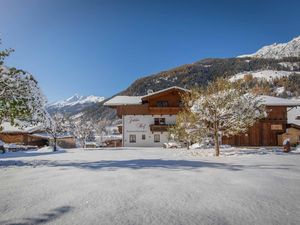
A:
<point x="263" y="74"/>
<point x="278" y="51"/>
<point x="74" y="104"/>
<point x="77" y="99"/>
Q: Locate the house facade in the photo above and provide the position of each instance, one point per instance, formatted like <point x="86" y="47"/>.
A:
<point x="146" y="119"/>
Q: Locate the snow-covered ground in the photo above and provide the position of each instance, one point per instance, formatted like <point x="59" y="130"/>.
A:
<point x="263" y="74"/>
<point x="149" y="186"/>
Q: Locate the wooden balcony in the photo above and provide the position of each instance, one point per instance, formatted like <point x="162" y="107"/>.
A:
<point x="160" y="128"/>
<point x="164" y="110"/>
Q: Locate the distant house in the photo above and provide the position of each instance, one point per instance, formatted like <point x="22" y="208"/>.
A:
<point x="292" y="133"/>
<point x="34" y="136"/>
<point x="267" y="131"/>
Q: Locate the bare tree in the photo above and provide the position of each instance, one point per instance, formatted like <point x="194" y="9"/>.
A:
<point x="187" y="129"/>
<point x="83" y="130"/>
<point x="224" y="108"/>
<point x="57" y="126"/>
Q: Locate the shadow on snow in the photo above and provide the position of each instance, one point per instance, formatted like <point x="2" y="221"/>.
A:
<point x="42" y="218"/>
<point x="28" y="154"/>
<point x="138" y="164"/>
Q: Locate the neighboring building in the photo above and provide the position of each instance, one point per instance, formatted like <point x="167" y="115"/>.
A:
<point x="21" y="136"/>
<point x="292" y="133"/>
<point x="33" y="136"/>
<point x="146" y="119"/>
<point x="267" y="131"/>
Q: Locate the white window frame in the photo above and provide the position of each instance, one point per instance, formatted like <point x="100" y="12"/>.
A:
<point x="132" y="138"/>
<point x="155" y="139"/>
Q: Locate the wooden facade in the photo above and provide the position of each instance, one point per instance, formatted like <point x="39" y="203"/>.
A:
<point x="24" y="138"/>
<point x="151" y="104"/>
<point x="265" y="132"/>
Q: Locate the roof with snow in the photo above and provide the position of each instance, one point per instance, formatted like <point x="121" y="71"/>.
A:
<point x="137" y="100"/>
<point x="124" y="100"/>
<point x="275" y="101"/>
<point x="166" y="90"/>
<point x="8" y="128"/>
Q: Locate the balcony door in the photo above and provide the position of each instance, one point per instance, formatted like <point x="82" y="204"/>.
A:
<point x="159" y="121"/>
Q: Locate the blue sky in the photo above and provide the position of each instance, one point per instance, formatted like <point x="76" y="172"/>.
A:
<point x="101" y="47"/>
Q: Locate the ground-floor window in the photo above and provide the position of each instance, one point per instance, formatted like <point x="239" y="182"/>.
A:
<point x="132" y="138"/>
<point x="143" y="137"/>
<point x="156" y="138"/>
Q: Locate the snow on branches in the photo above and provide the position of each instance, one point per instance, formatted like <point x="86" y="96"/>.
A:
<point x="187" y="129"/>
<point x="20" y="95"/>
<point x="224" y="108"/>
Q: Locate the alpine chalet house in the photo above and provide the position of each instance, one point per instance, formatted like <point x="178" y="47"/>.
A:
<point x="146" y="119"/>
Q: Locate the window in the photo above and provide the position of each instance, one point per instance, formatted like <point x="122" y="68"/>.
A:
<point x="132" y="138"/>
<point x="159" y="121"/>
<point x="180" y="104"/>
<point x="143" y="137"/>
<point x="156" y="138"/>
<point x="162" y="104"/>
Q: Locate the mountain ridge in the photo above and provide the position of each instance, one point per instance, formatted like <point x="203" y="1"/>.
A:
<point x="277" y="51"/>
<point x="201" y="72"/>
<point x="74" y="104"/>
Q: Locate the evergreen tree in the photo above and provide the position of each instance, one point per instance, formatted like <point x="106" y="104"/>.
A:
<point x="20" y="96"/>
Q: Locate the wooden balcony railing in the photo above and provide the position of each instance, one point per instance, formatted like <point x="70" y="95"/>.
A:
<point x="160" y="128"/>
<point x="164" y="110"/>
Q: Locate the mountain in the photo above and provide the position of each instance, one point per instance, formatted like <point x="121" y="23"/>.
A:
<point x="74" y="104"/>
<point x="278" y="51"/>
<point x="273" y="75"/>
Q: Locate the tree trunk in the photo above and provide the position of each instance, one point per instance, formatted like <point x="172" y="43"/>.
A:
<point x="217" y="144"/>
<point x="188" y="145"/>
<point x="55" y="145"/>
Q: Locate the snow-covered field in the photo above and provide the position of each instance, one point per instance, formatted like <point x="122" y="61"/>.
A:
<point x="149" y="186"/>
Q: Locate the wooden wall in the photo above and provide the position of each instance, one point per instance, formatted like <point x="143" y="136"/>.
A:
<point x="133" y="110"/>
<point x="265" y="132"/>
<point x="149" y="107"/>
<point x="173" y="98"/>
<point x="17" y="138"/>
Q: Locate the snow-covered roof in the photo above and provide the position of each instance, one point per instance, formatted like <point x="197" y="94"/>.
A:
<point x="135" y="100"/>
<point x="166" y="89"/>
<point x="124" y="100"/>
<point x="48" y="136"/>
<point x="275" y="101"/>
<point x="8" y="128"/>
